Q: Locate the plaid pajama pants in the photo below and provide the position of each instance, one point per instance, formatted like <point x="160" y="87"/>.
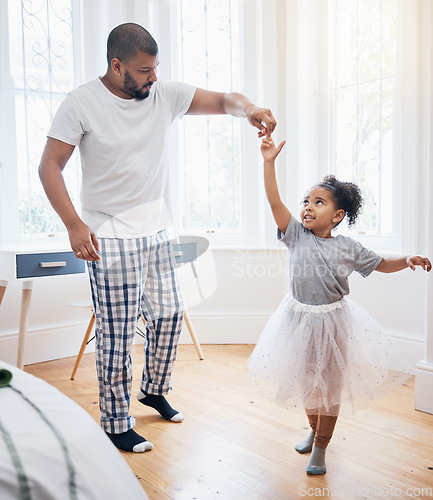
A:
<point x="133" y="275"/>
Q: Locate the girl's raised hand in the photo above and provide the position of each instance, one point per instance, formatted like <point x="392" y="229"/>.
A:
<point x="419" y="261"/>
<point x="269" y="150"/>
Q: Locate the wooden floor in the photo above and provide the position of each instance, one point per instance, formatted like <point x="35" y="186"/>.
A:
<point x="233" y="446"/>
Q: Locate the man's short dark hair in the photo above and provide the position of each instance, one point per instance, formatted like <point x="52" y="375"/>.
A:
<point x="127" y="39"/>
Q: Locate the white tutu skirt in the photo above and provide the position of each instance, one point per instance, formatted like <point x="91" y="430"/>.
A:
<point x="319" y="357"/>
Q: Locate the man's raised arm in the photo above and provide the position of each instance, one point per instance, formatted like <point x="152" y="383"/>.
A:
<point x="206" y="102"/>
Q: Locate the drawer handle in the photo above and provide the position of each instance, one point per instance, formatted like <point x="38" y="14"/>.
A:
<point x="53" y="264"/>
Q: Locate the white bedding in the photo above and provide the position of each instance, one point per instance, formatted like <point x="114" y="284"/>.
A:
<point x="96" y="469"/>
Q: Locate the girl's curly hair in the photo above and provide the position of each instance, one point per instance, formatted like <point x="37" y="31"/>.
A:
<point x="347" y="196"/>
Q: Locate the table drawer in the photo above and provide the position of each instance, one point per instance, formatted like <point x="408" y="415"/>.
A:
<point x="32" y="265"/>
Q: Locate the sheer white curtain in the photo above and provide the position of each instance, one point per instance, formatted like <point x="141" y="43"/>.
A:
<point x="424" y="372"/>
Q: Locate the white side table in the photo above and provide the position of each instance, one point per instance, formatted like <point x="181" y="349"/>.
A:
<point x="24" y="264"/>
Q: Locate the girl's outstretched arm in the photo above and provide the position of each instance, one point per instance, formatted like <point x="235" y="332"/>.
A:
<point x="394" y="264"/>
<point x="280" y="212"/>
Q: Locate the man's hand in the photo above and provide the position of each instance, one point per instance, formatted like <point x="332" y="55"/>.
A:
<point x="207" y="102"/>
<point x="84" y="242"/>
<point x="262" y="119"/>
<point x="416" y="260"/>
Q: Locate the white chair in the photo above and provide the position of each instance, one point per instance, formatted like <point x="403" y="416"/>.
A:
<point x="185" y="251"/>
<point x="87" y="340"/>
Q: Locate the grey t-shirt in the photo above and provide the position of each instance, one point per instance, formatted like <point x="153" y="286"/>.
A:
<point x="319" y="267"/>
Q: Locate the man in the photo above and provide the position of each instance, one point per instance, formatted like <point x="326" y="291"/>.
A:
<point x="121" y="122"/>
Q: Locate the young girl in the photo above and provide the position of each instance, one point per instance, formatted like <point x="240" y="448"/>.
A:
<point x="318" y="348"/>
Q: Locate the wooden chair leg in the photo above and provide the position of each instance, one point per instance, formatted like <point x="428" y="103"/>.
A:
<point x="83" y="345"/>
<point x="193" y="335"/>
<point x="90" y="328"/>
<point x="3" y="286"/>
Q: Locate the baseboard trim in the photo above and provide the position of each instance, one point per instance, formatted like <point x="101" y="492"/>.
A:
<point x="45" y="343"/>
<point x="423" y="385"/>
<point x="61" y="341"/>
<point x="242" y="328"/>
<point x="246" y="328"/>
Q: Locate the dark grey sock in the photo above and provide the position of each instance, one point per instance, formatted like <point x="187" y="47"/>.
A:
<point x="161" y="405"/>
<point x="130" y="441"/>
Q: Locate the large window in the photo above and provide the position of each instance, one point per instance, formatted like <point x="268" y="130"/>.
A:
<point x="38" y="69"/>
<point x="209" y="56"/>
<point x="339" y="76"/>
<point x="42" y="63"/>
<point x="368" y="109"/>
<point x="217" y="155"/>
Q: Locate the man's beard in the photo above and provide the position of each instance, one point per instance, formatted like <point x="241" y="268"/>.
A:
<point x="130" y="87"/>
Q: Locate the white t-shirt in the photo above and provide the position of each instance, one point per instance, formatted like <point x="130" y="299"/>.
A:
<point x="124" y="154"/>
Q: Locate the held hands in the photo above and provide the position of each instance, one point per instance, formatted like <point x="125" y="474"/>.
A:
<point x="262" y="119"/>
<point x="419" y="261"/>
<point x="269" y="150"/>
<point x="84" y="242"/>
